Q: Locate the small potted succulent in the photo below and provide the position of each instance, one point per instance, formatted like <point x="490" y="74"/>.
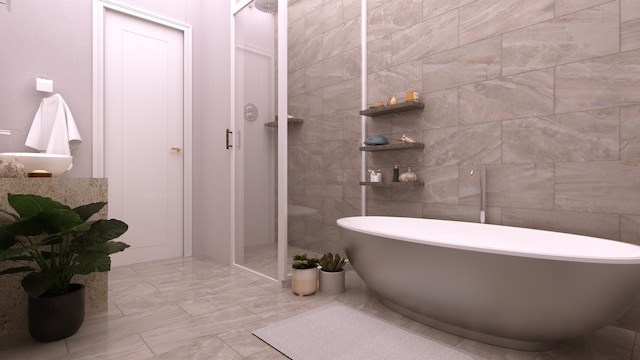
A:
<point x="304" y="274"/>
<point x="331" y="274"/>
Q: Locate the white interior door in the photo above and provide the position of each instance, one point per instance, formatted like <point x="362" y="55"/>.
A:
<point x="143" y="134"/>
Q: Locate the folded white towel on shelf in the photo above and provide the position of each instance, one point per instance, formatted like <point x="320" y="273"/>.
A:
<point x="53" y="129"/>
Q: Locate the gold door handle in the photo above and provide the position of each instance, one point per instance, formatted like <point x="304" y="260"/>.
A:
<point x="176" y="148"/>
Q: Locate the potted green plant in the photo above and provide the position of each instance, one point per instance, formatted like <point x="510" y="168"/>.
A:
<point x="304" y="274"/>
<point x="331" y="274"/>
<point x="51" y="243"/>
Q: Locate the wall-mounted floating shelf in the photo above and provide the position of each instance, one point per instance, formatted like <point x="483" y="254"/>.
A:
<point x="391" y="109"/>
<point x="392" y="184"/>
<point x="392" y="147"/>
<point x="290" y="121"/>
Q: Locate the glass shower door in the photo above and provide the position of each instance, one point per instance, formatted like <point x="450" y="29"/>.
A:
<point x="255" y="131"/>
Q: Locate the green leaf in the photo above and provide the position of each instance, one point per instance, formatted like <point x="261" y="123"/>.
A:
<point x="53" y="240"/>
<point x="7" y="239"/>
<point x="112" y="247"/>
<point x="36" y="283"/>
<point x="27" y="205"/>
<point x="16" y="270"/>
<point x="89" y="262"/>
<point x="86" y="211"/>
<point x="102" y="231"/>
<point x="12" y="253"/>
<point x="55" y="221"/>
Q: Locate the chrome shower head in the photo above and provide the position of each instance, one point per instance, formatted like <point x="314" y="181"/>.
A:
<point x="268" y="6"/>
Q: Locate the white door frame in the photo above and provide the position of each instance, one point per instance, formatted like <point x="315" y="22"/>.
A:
<point x="99" y="9"/>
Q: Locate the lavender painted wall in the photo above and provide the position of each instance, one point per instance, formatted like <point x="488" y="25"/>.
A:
<point x="51" y="38"/>
<point x="54" y="38"/>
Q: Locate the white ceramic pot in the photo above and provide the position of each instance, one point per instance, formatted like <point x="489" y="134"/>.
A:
<point x="332" y="283"/>
<point x="304" y="281"/>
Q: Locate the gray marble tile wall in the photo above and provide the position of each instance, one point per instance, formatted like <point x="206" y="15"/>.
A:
<point x="545" y="94"/>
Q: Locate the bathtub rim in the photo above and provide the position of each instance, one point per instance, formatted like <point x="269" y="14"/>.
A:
<point x="344" y="223"/>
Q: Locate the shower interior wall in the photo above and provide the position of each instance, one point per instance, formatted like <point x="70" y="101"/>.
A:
<point x="545" y="94"/>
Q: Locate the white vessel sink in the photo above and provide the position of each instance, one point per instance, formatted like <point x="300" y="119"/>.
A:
<point x="53" y="163"/>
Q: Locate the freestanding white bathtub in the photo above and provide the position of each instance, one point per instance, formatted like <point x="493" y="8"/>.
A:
<point x="512" y="287"/>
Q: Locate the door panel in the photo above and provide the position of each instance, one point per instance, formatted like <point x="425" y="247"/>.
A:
<point x="143" y="121"/>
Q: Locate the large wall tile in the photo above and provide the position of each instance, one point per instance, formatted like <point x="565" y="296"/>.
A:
<point x="322" y="237"/>
<point x="528" y="186"/>
<point x="296" y="82"/>
<point x="577" y="36"/>
<point x="630" y="35"/>
<point x="630" y="229"/>
<point x="407" y="193"/>
<point x="301" y="8"/>
<point x="468" y="213"/>
<point x="608" y="81"/>
<point x="629" y="10"/>
<point x="325" y="183"/>
<point x="324" y="18"/>
<point x="564" y="7"/>
<point x="324" y="128"/>
<point x="402" y="158"/>
<point x="351" y="127"/>
<point x="323" y="73"/>
<point x="583" y="136"/>
<point x="296" y="33"/>
<point x="486" y="18"/>
<point x="379" y="54"/>
<point x="306" y="104"/>
<point x="351" y="9"/>
<point x="590" y="224"/>
<point x="410" y="123"/>
<point x="440" y="184"/>
<point x="425" y="38"/>
<point x="335" y="208"/>
<point x="435" y="8"/>
<point x="630" y="133"/>
<point x="478" y="144"/>
<point x="341" y="38"/>
<point x="351" y="187"/>
<point x="395" y="208"/>
<point x="606" y="186"/>
<point x="379" y="193"/>
<point x="441" y="109"/>
<point x="630" y="27"/>
<point x="351" y="63"/>
<point x="517" y="96"/>
<point x="394" y="81"/>
<point x="305" y="53"/>
<point x="341" y="96"/>
<point x="393" y="16"/>
<point x="295" y="180"/>
<point x="464" y="65"/>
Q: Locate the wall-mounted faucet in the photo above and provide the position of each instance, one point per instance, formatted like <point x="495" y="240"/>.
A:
<point x="483" y="191"/>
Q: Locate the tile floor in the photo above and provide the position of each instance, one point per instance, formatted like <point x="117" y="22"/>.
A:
<point x="197" y="308"/>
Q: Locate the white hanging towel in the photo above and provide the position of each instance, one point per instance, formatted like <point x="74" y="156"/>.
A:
<point x="53" y="129"/>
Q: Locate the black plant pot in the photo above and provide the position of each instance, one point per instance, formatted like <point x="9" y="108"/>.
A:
<point x="57" y="317"/>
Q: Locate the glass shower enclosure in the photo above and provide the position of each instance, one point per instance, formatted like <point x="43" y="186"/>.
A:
<point x="259" y="164"/>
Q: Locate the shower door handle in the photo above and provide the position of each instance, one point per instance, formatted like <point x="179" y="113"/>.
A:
<point x="229" y="132"/>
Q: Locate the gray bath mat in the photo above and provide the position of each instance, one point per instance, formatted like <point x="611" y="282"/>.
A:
<point x="336" y="331"/>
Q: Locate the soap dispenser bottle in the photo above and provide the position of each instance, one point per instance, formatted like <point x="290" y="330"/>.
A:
<point x="396" y="173"/>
